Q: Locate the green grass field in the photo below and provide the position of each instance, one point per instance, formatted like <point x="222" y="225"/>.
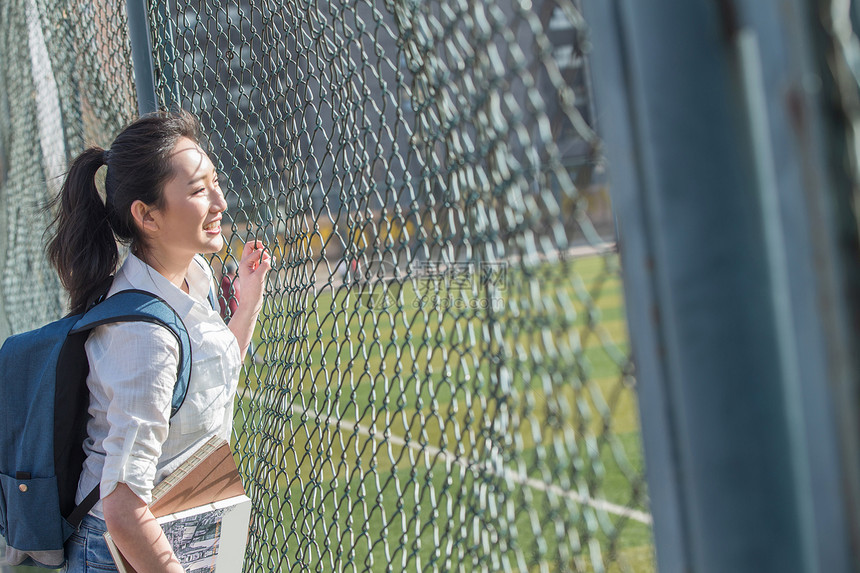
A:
<point x="384" y="433"/>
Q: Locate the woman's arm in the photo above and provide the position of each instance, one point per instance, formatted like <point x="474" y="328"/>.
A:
<point x="133" y="373"/>
<point x="136" y="533"/>
<point x="253" y="268"/>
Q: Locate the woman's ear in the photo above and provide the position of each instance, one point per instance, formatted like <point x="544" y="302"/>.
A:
<point x="144" y="216"/>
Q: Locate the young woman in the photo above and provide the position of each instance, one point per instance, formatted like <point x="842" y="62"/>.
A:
<point x="164" y="201"/>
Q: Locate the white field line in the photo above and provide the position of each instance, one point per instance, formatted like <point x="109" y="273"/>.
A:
<point x="507" y="474"/>
<point x="571" y="253"/>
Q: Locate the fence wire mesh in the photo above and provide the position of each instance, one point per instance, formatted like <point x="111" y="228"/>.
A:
<point x="441" y="378"/>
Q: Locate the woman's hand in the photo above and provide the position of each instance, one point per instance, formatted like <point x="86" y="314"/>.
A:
<point x="254" y="266"/>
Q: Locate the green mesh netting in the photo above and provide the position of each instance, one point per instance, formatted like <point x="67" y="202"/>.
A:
<point x="65" y="81"/>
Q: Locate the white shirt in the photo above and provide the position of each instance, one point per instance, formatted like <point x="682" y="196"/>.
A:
<point x="131" y="437"/>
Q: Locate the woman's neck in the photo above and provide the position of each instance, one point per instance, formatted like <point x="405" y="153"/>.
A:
<point x="172" y="268"/>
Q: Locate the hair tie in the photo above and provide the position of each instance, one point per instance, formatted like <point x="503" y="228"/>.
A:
<point x="105" y="156"/>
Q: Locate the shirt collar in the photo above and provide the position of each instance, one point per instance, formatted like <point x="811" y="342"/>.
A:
<point x="199" y="280"/>
<point x="142" y="276"/>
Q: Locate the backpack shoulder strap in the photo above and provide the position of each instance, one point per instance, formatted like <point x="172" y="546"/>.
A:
<point x="129" y="306"/>
<point x="138" y="305"/>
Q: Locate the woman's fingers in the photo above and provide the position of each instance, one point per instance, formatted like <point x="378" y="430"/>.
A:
<point x="255" y="255"/>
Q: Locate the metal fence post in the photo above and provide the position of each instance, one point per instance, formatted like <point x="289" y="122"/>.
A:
<point x="165" y="30"/>
<point x="610" y="61"/>
<point x="141" y="53"/>
<point x="720" y="183"/>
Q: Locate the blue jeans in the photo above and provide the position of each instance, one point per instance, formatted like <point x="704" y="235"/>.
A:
<point x="86" y="549"/>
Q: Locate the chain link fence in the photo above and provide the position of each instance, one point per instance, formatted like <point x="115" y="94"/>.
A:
<point x="441" y="378"/>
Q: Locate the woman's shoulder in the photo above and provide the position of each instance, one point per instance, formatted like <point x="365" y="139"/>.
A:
<point x="132" y="339"/>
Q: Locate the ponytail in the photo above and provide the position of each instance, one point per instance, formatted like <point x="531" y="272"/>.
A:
<point x="83" y="248"/>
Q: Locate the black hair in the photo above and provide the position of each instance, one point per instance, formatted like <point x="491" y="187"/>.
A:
<point x="86" y="229"/>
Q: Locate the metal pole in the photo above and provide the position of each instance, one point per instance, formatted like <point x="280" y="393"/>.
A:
<point x="141" y="55"/>
<point x="719" y="176"/>
<point x="611" y="60"/>
<point x="165" y="34"/>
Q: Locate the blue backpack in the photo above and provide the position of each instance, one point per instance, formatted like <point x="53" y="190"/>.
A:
<point x="43" y="422"/>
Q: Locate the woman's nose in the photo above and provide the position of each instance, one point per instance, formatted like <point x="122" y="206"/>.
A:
<point x="219" y="203"/>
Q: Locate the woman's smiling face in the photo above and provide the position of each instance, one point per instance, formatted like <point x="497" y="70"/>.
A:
<point x="189" y="222"/>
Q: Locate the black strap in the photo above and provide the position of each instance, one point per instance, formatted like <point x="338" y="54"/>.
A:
<point x="140" y="305"/>
<point x="84" y="508"/>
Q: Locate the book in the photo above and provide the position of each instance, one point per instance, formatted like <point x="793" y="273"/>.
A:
<point x="209" y="475"/>
<point x="209" y="538"/>
<point x="204" y="512"/>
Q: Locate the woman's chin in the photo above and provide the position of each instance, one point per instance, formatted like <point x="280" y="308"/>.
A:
<point x="213" y="245"/>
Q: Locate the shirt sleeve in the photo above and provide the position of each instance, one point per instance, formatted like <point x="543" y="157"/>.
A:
<point x="134" y="367"/>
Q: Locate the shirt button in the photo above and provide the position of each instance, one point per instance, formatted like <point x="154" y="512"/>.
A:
<point x="22" y="488"/>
